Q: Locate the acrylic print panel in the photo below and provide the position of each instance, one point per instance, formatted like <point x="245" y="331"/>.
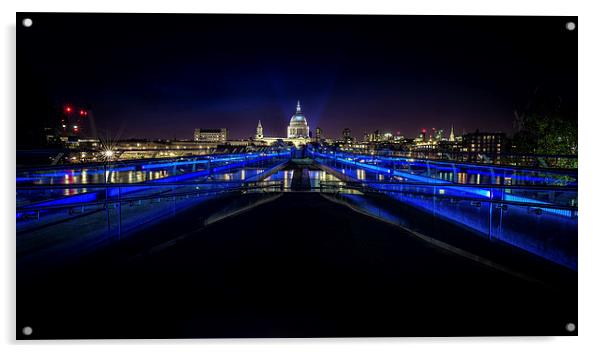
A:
<point x="203" y="175"/>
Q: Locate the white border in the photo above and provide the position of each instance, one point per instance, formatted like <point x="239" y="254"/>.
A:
<point x="590" y="130"/>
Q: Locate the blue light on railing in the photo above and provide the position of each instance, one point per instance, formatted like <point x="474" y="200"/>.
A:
<point x="473" y="216"/>
<point x="67" y="200"/>
<point x="247" y="159"/>
<point x="490" y="171"/>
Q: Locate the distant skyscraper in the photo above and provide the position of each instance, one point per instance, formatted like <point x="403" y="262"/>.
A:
<point x="298" y="127"/>
<point x="319" y="133"/>
<point x="375" y="136"/>
<point x="347" y="135"/>
<point x="259" y="131"/>
<point x="452" y="138"/>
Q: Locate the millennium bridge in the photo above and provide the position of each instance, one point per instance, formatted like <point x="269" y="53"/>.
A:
<point x="295" y="243"/>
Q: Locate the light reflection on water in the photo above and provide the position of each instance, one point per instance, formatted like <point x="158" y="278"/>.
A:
<point x="318" y="176"/>
<point x="95" y="177"/>
<point x="459" y="177"/>
<point x="361" y="174"/>
<point x="133" y="177"/>
<point x="286" y="176"/>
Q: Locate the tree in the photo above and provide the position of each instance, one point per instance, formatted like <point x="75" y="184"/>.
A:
<point x="546" y="126"/>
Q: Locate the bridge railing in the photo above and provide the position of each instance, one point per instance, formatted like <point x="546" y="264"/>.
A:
<point x="542" y="196"/>
<point x="89" y="183"/>
<point x="131" y="171"/>
<point x="527" y="160"/>
<point x="542" y="220"/>
<point x="36" y="201"/>
<point x="53" y="230"/>
<point x="454" y="171"/>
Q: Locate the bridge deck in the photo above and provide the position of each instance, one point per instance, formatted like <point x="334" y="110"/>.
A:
<point x="300" y="266"/>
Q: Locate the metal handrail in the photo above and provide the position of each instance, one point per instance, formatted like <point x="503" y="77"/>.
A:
<point x="367" y="190"/>
<point x="140" y="184"/>
<point x="167" y="193"/>
<point x="450" y="184"/>
<point x="456" y="162"/>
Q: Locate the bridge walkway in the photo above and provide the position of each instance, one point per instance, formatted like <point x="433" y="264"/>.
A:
<point x="301" y="266"/>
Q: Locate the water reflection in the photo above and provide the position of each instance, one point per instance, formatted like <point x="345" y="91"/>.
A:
<point x="361" y="174"/>
<point x="139" y="176"/>
<point x="94" y="177"/>
<point x="318" y="176"/>
<point x="286" y="176"/>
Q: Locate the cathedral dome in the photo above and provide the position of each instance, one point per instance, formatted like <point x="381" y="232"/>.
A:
<point x="298" y="118"/>
<point x="298" y="127"/>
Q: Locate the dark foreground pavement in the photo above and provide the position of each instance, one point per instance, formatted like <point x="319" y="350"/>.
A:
<point x="299" y="266"/>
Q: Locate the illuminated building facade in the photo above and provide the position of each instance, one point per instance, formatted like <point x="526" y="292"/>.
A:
<point x="297" y="131"/>
<point x="452" y="137"/>
<point x="259" y="131"/>
<point x="487" y="143"/>
<point x="375" y="136"/>
<point x="298" y="127"/>
<point x="211" y="135"/>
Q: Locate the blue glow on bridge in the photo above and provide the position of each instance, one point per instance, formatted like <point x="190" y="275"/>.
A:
<point x="524" y="220"/>
<point x="549" y="232"/>
<point x="223" y="163"/>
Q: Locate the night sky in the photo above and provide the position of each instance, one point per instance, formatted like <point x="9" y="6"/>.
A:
<point x="161" y="76"/>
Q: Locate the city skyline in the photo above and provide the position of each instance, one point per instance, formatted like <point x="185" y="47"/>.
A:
<point x="341" y="133"/>
<point x="80" y="114"/>
<point x="359" y="135"/>
<point x="364" y="73"/>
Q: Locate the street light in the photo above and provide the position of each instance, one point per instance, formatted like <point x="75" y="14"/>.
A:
<point x="108" y="153"/>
